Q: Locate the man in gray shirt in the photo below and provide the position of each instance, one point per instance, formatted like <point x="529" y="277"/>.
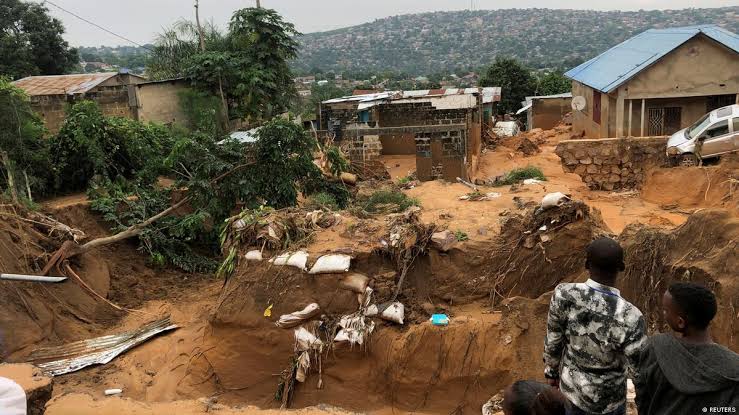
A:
<point x="593" y="336"/>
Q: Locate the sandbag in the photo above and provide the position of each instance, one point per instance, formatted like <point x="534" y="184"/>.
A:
<point x="254" y="255"/>
<point x="294" y="259"/>
<point x="355" y="282"/>
<point x="303" y="366"/>
<point x="394" y="312"/>
<point x="305" y="340"/>
<point x="331" y="264"/>
<point x="294" y="319"/>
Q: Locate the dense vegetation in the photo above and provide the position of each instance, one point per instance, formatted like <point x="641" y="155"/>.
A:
<point x="132" y="171"/>
<point x="31" y="41"/>
<point x="421" y="44"/>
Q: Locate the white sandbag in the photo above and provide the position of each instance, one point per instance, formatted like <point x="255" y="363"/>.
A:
<point x="553" y="199"/>
<point x="532" y="181"/>
<point x="255" y="255"/>
<point x="305" y="340"/>
<point x="294" y="319"/>
<point x="293" y="259"/>
<point x="394" y="312"/>
<point x="303" y="365"/>
<point x="331" y="264"/>
<point x="355" y="282"/>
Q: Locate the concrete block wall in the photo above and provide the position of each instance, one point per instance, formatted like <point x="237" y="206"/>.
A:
<point x="419" y="113"/>
<point x="612" y="163"/>
<point x="365" y="148"/>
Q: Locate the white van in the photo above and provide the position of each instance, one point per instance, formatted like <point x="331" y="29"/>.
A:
<point x="713" y="134"/>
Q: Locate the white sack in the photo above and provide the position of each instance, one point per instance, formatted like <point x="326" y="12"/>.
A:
<point x="332" y="264"/>
<point x="293" y="259"/>
<point x="293" y="319"/>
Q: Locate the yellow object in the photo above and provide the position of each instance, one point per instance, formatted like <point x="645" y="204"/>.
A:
<point x="268" y="311"/>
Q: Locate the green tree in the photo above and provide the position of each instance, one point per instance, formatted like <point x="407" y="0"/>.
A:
<point x="178" y="44"/>
<point x="23" y="151"/>
<point x="553" y="83"/>
<point x="266" y="43"/>
<point x="31" y="41"/>
<point x="514" y="79"/>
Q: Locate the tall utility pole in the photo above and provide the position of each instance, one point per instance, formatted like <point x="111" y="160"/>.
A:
<point x="200" y="28"/>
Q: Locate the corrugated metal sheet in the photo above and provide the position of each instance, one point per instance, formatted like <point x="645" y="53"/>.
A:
<point x="71" y="357"/>
<point x="617" y="65"/>
<point x="62" y="84"/>
<point x="489" y="94"/>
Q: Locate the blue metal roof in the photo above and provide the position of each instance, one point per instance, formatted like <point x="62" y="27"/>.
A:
<point x="617" y="65"/>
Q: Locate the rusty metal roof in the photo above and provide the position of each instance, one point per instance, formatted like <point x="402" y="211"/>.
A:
<point x="62" y="84"/>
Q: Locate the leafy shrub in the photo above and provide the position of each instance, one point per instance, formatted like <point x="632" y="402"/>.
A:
<point x="337" y="163"/>
<point x="322" y="200"/>
<point x="21" y="137"/>
<point x="204" y="111"/>
<point x="520" y="174"/>
<point x="170" y="240"/>
<point x="387" y="201"/>
<point x="404" y="180"/>
<point x="113" y="149"/>
<point x="461" y="235"/>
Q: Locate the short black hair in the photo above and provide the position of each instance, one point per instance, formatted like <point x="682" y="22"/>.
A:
<point x="696" y="301"/>
<point x="524" y="395"/>
<point x="605" y="254"/>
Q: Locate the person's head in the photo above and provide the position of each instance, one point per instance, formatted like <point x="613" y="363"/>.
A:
<point x="688" y="306"/>
<point x="550" y="402"/>
<point x="605" y="259"/>
<point x="527" y="397"/>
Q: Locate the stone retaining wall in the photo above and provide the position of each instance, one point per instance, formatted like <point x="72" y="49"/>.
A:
<point x="612" y="163"/>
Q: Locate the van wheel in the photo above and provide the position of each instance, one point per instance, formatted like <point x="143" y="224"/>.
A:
<point x="688" y="160"/>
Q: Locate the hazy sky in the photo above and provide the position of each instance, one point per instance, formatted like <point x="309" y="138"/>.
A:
<point x="140" y="20"/>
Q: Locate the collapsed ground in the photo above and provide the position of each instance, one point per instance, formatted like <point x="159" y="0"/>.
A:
<point x="681" y="225"/>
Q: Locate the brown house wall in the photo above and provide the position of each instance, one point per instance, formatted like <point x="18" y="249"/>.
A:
<point x="547" y="113"/>
<point x="699" y="67"/>
<point x="160" y="102"/>
<point x="685" y="77"/>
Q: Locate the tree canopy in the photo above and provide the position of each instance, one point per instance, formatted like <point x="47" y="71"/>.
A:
<point x="24" y="150"/>
<point x="247" y="67"/>
<point x="553" y="83"/>
<point x="31" y="41"/>
<point x="513" y="78"/>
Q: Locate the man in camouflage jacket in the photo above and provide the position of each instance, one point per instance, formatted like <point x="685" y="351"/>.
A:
<point x="594" y="336"/>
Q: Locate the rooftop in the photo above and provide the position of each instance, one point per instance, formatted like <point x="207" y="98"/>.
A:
<point x="489" y="94"/>
<point x="63" y="84"/>
<point x="617" y="65"/>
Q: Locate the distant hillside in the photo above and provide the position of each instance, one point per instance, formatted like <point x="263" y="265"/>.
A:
<point x="443" y="41"/>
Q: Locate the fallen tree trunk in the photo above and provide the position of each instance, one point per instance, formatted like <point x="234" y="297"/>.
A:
<point x="70" y="249"/>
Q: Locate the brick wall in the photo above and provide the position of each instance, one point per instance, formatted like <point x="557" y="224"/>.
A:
<point x="52" y="109"/>
<point x="612" y="163"/>
<point x="113" y="101"/>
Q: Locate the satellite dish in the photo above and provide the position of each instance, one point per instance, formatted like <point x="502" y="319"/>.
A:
<point x="578" y="103"/>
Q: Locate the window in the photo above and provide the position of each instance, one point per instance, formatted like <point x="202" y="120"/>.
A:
<point x="596" y="106"/>
<point x="718" y="129"/>
<point x="736" y="125"/>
